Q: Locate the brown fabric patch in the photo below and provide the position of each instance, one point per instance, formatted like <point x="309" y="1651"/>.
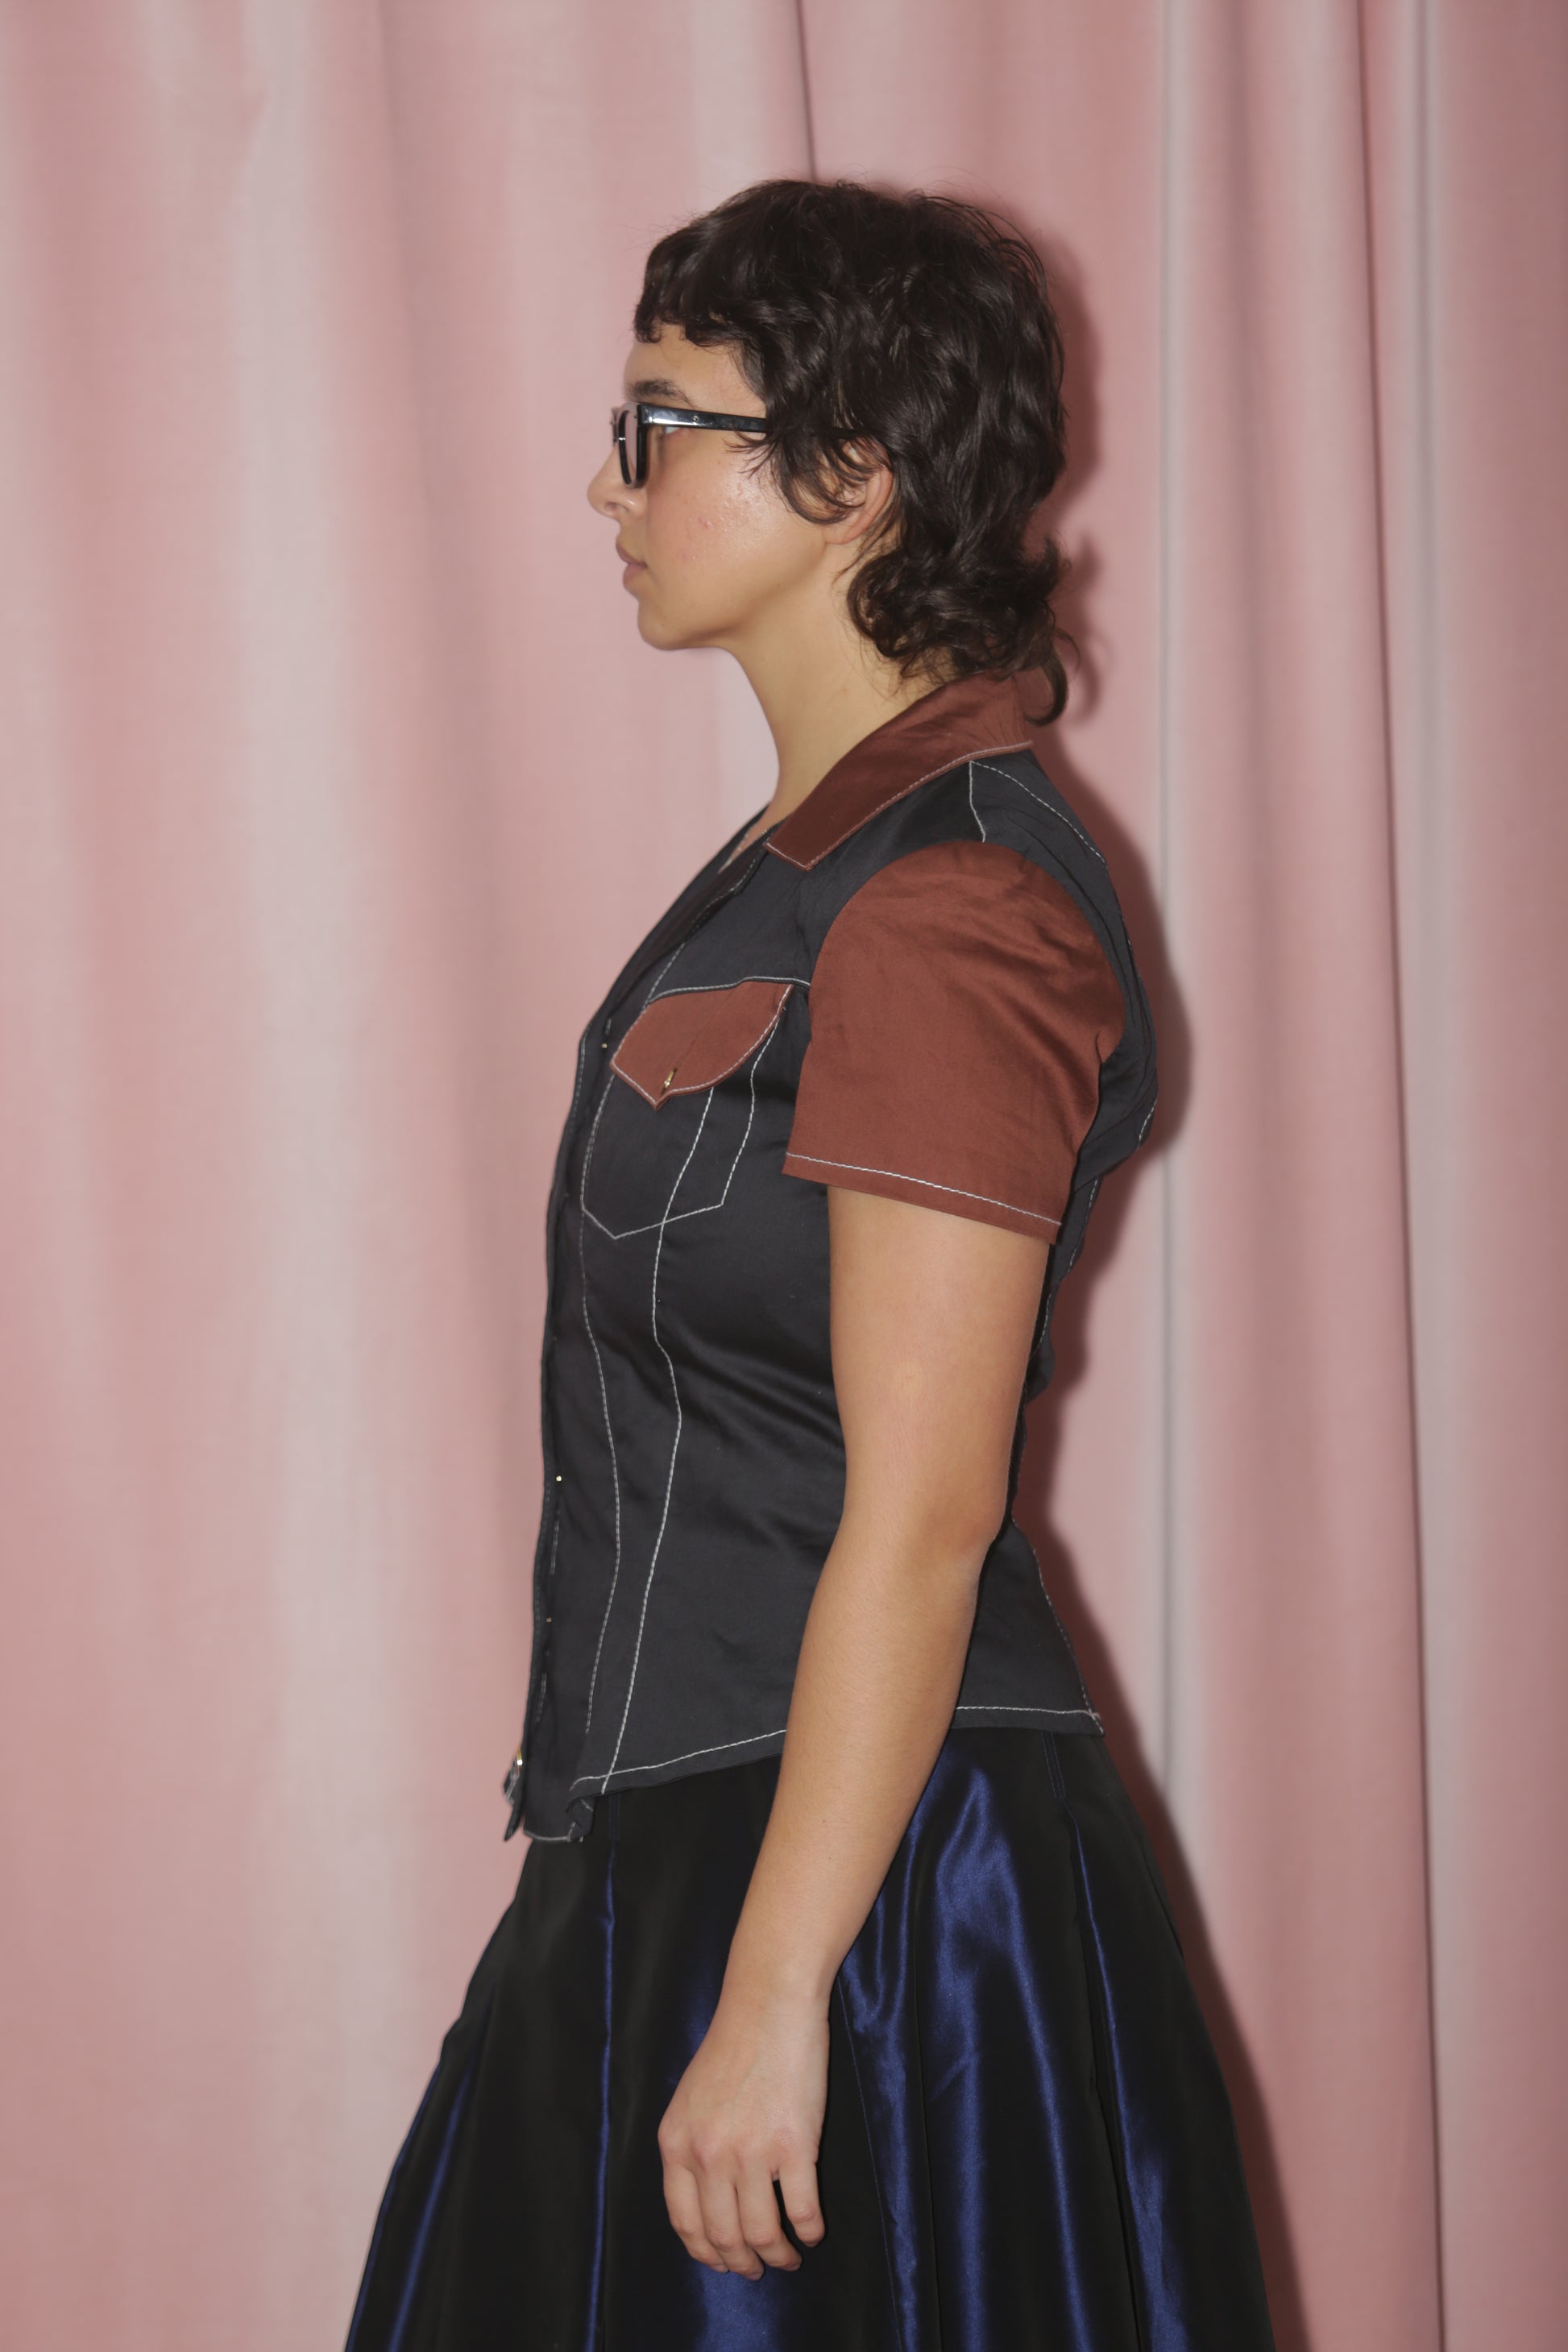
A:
<point x="961" y="721"/>
<point x="681" y="1043"/>
<point x="960" y="1008"/>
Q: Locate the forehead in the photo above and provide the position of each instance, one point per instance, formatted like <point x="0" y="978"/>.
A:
<point x="686" y="375"/>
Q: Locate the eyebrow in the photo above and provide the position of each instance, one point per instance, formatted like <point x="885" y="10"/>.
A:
<point x="658" y="388"/>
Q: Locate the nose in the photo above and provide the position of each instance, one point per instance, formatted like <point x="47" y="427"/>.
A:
<point x="606" y="493"/>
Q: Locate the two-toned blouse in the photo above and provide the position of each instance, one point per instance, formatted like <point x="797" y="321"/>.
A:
<point x="917" y="984"/>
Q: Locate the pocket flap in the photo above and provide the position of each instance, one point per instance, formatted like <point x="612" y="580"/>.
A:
<point x="681" y="1043"/>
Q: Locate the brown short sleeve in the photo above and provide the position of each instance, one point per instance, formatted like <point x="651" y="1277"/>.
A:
<point x="960" y="1008"/>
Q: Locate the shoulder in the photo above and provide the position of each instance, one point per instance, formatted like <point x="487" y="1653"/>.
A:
<point x="1012" y="800"/>
<point x="1000" y="799"/>
<point x="974" y="921"/>
<point x="962" y="1008"/>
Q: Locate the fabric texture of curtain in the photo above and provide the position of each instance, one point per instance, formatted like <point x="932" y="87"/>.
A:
<point x="336" y="781"/>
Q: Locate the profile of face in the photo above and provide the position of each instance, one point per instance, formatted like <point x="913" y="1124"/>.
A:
<point x="713" y="552"/>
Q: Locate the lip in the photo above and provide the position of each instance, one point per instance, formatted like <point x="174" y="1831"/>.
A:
<point x="632" y="562"/>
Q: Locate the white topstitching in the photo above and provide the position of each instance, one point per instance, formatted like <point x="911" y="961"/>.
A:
<point x="697" y="1085"/>
<point x="804" y="865"/>
<point x="706" y="1208"/>
<point x="605" y="1406"/>
<point x="1040" y="802"/>
<point x="752" y="1740"/>
<point x="675" y="1448"/>
<point x="973" y="812"/>
<point x="901" y="1176"/>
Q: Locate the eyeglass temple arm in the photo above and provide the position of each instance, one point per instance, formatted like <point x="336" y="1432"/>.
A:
<point x="648" y="413"/>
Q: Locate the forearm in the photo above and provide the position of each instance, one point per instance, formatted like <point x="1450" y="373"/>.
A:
<point x="874" y="1694"/>
<point x="932" y="1322"/>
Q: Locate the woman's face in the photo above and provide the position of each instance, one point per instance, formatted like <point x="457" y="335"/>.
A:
<point x="712" y="552"/>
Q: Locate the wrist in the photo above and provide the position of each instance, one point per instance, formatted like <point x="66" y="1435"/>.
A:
<point x="777" y="1980"/>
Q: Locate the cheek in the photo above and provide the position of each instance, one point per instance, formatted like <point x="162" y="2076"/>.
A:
<point x="719" y="538"/>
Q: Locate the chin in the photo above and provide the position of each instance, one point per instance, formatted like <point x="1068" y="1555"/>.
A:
<point x="656" y="630"/>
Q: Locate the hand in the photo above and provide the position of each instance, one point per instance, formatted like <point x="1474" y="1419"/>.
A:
<point x="747" y="2112"/>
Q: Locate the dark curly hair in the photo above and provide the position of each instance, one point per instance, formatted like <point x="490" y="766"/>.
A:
<point x="921" y="325"/>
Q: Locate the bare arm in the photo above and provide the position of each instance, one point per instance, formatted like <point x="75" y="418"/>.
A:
<point x="932" y="1319"/>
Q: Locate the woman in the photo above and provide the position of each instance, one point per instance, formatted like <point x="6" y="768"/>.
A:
<point x="839" y="2002"/>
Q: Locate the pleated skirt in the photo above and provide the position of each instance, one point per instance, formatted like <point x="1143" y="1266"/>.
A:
<point x="1028" y="2146"/>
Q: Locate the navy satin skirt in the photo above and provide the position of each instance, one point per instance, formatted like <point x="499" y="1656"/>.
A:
<point x="1027" y="2145"/>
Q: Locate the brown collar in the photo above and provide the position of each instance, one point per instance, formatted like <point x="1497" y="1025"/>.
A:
<point x="961" y="721"/>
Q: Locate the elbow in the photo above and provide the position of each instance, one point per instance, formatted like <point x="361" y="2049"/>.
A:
<point x="966" y="1541"/>
<point x="962" y="1519"/>
<point x="942" y="1539"/>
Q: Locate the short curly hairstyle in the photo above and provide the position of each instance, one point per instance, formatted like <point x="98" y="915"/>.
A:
<point x="921" y="325"/>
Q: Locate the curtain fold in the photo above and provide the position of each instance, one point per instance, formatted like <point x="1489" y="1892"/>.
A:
<point x="336" y="782"/>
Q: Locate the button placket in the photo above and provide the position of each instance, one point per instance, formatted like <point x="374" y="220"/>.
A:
<point x="584" y="1102"/>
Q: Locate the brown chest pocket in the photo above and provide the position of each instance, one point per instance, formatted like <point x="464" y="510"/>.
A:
<point x="666" y="1143"/>
<point x="685" y="1043"/>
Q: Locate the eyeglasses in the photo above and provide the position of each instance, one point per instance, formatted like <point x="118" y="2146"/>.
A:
<point x="631" y="442"/>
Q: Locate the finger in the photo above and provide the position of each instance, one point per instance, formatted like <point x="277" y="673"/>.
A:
<point x="797" y="2189"/>
<point x="685" y="2210"/>
<point x="760" y="2221"/>
<point x="722" y="2224"/>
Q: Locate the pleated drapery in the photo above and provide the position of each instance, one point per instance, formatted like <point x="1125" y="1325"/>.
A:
<point x="336" y="784"/>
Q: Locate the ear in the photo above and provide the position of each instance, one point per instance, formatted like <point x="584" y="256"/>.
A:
<point x="870" y="489"/>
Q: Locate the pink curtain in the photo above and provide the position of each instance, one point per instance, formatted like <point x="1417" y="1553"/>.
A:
<point x="335" y="784"/>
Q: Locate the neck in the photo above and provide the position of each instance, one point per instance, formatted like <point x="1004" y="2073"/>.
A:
<point x="822" y="689"/>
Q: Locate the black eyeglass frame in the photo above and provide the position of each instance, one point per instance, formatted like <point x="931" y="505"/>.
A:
<point x="634" y="461"/>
